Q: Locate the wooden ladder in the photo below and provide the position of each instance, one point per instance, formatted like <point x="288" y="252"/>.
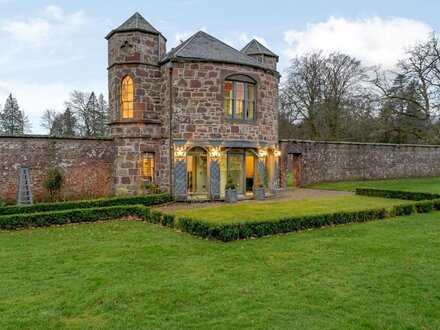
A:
<point x="24" y="196"/>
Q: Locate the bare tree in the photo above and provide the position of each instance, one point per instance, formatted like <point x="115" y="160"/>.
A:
<point x="91" y="113"/>
<point x="320" y="94"/>
<point x="410" y="96"/>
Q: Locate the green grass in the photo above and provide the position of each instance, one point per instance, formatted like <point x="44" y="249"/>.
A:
<point x="426" y="185"/>
<point x="289" y="179"/>
<point x="376" y="275"/>
<point x="266" y="211"/>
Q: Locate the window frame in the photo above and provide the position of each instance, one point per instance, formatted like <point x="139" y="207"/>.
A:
<point x="130" y="110"/>
<point x="148" y="155"/>
<point x="246" y="100"/>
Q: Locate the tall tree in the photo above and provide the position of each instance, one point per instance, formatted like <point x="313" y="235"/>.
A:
<point x="60" y="124"/>
<point x="91" y="113"/>
<point x="321" y="96"/>
<point x="13" y="120"/>
<point x="410" y="95"/>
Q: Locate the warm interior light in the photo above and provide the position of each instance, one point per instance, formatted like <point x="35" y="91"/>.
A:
<point x="262" y="153"/>
<point x="277" y="153"/>
<point x="214" y="152"/>
<point x="179" y="152"/>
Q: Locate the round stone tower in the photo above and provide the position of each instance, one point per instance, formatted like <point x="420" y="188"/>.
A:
<point x="134" y="84"/>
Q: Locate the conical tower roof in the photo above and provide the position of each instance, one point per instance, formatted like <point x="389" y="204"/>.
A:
<point x="135" y="23"/>
<point x="256" y="48"/>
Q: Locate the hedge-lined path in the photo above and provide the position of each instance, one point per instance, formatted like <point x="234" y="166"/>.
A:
<point x="284" y="195"/>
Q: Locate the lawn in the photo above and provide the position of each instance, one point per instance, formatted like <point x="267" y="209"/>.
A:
<point x="266" y="211"/>
<point x="426" y="185"/>
<point x="127" y="274"/>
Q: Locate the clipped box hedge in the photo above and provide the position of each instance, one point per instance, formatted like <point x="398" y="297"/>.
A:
<point x="44" y="219"/>
<point x="396" y="194"/>
<point x="146" y="200"/>
<point x="418" y="207"/>
<point x="230" y="232"/>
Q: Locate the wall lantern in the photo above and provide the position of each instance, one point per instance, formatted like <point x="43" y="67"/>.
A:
<point x="277" y="153"/>
<point x="179" y="152"/>
<point x="262" y="153"/>
<point x="214" y="152"/>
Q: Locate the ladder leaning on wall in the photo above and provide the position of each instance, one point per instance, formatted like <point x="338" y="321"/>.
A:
<point x="24" y="196"/>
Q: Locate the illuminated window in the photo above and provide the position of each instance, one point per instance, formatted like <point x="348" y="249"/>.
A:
<point x="239" y="100"/>
<point x="127" y="104"/>
<point x="148" y="166"/>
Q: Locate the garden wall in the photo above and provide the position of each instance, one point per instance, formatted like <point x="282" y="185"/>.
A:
<point x="337" y="161"/>
<point x="86" y="164"/>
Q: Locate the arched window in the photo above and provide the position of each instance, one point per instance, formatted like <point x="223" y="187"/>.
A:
<point x="240" y="97"/>
<point x="127" y="104"/>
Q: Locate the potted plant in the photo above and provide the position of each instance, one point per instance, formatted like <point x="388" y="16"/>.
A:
<point x="259" y="189"/>
<point x="230" y="190"/>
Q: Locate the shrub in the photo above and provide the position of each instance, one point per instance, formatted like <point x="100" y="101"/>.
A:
<point x="53" y="181"/>
<point x="14" y="221"/>
<point x="229" y="232"/>
<point x="396" y="194"/>
<point x="82" y="204"/>
<point x="230" y="184"/>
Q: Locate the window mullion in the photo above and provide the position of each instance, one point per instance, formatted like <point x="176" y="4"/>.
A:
<point x="245" y="101"/>
<point x="233" y="99"/>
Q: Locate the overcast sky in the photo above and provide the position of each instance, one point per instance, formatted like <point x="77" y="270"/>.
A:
<point x="49" y="48"/>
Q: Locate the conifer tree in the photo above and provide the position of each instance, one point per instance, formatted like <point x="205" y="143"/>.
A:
<point x="13" y="121"/>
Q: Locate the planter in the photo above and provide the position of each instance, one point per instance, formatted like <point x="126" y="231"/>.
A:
<point x="231" y="196"/>
<point x="259" y="193"/>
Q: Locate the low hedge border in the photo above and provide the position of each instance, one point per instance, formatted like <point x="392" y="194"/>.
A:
<point x="213" y="231"/>
<point x="146" y="200"/>
<point x="45" y="219"/>
<point x="230" y="232"/>
<point x="396" y="194"/>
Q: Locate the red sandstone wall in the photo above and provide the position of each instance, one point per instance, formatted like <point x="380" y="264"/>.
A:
<point x="198" y="105"/>
<point x="85" y="162"/>
<point x="328" y="161"/>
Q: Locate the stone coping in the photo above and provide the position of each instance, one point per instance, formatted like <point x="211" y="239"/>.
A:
<point x="48" y="137"/>
<point x="361" y="143"/>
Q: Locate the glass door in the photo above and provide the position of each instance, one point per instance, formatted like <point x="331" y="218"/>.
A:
<point x="236" y="163"/>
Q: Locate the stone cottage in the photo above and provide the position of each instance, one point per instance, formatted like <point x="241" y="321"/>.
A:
<point x="186" y="118"/>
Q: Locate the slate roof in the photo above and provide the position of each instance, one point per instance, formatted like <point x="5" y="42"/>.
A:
<point x="135" y="23"/>
<point x="256" y="48"/>
<point x="202" y="46"/>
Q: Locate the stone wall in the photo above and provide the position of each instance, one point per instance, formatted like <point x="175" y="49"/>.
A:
<point x="332" y="161"/>
<point x="198" y="104"/>
<point x="86" y="164"/>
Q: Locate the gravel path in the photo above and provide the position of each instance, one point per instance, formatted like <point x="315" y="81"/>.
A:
<point x="284" y="195"/>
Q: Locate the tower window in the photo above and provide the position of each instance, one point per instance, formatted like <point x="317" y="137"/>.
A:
<point x="127" y="104"/>
<point x="148" y="166"/>
<point x="239" y="100"/>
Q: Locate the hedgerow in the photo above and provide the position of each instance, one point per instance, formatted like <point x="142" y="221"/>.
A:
<point x="229" y="232"/>
<point x="147" y="200"/>
<point x="396" y="194"/>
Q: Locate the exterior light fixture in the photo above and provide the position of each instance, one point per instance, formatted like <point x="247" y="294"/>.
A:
<point x="277" y="153"/>
<point x="214" y="152"/>
<point x="179" y="152"/>
<point x="262" y="153"/>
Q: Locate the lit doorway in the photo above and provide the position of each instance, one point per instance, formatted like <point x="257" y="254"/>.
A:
<point x="197" y="171"/>
<point x="250" y="171"/>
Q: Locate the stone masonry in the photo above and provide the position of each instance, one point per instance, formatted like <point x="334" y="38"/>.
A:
<point x="86" y="164"/>
<point x="333" y="161"/>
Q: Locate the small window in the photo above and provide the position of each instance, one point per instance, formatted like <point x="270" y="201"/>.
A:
<point x="148" y="166"/>
<point x="127" y="104"/>
<point x="239" y="100"/>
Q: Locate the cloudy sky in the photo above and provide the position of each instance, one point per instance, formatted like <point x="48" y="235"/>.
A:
<point x="49" y="48"/>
